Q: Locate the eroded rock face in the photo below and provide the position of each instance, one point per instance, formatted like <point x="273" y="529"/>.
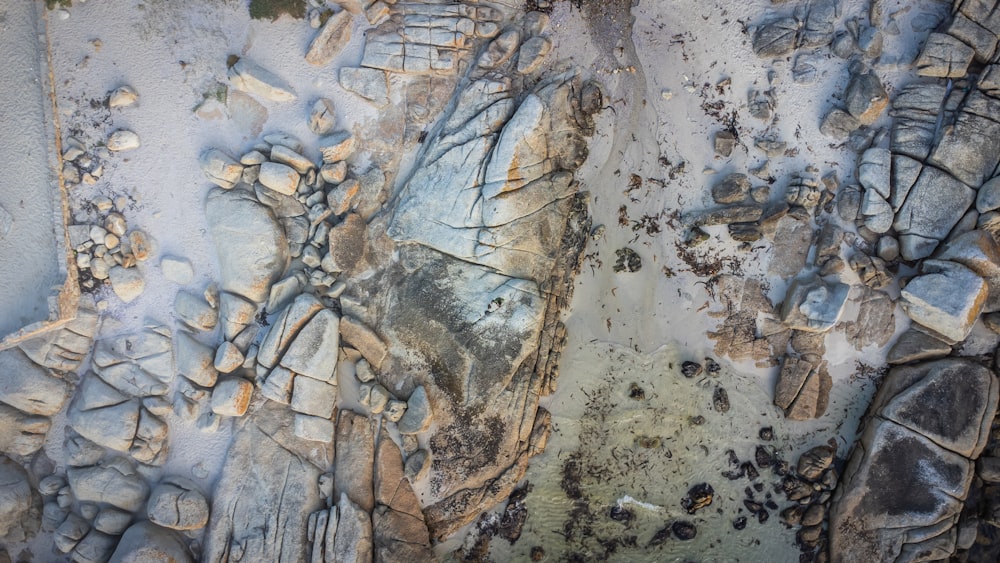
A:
<point x="905" y="483"/>
<point x="18" y="510"/>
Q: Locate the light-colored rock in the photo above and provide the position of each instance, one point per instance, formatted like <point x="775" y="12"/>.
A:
<point x="337" y="147"/>
<point x="314" y="428"/>
<point x="231" y="396"/>
<point x="418" y="415"/>
<point x="235" y="314"/>
<point x="123" y="96"/>
<point x="776" y="38"/>
<point x="988" y="196"/>
<point x="251" y="245"/>
<point x="177" y="504"/>
<point x="252" y="79"/>
<point x="220" y="168"/>
<point x="369" y="83"/>
<point x="128" y="284"/>
<point x="194" y="360"/>
<point x="313" y="397"/>
<point x="228" y="358"/>
<point x="865" y="97"/>
<point x="947" y="298"/>
<point x="104" y="415"/>
<point x="284" y="329"/>
<point x="978" y="251"/>
<point x="313" y="352"/>
<point x="354" y="540"/>
<point x="935" y="203"/>
<point x="123" y="140"/>
<point x="194" y="311"/>
<point x="336" y="173"/>
<point x="112" y="521"/>
<point x="29" y="387"/>
<point x="177" y="270"/>
<point x="322" y="117"/>
<point x="279" y="177"/>
<point x="944" y="56"/>
<point x="24" y="434"/>
<point x="873" y="171"/>
<point x="284" y="155"/>
<point x="114" y="482"/>
<point x="330" y="40"/>
<point x="146" y="542"/>
<point x="813" y="305"/>
<point x="16" y="502"/>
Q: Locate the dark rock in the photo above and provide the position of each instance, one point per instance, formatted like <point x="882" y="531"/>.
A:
<point x="763" y="516"/>
<point x="914" y="345"/>
<point x="698" y="497"/>
<point x="745" y="232"/>
<point x="763" y="457"/>
<point x="944" y="56"/>
<point x="776" y="38"/>
<point x="660" y="537"/>
<point x="740" y="523"/>
<point x="766" y="433"/>
<point x="814" y="462"/>
<point x="619" y="513"/>
<point x="684" y="530"/>
<point x="865" y="97"/>
<point x="691" y="369"/>
<point x="725" y="142"/>
<point x="712" y="367"/>
<point x="734" y="188"/>
<point x="627" y="261"/>
<point x="720" y="400"/>
<point x="814" y="515"/>
<point x="838" y="124"/>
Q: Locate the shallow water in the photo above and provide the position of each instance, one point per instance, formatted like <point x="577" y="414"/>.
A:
<point x="607" y="446"/>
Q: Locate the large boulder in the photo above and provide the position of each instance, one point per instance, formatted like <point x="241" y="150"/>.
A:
<point x="18" y="510"/>
<point x="947" y="298"/>
<point x="29" y="387"/>
<point x="114" y="482"/>
<point x="145" y="542"/>
<point x="903" y="488"/>
<point x="249" y="242"/>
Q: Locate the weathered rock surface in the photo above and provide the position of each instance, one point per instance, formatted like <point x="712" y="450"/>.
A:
<point x="331" y="39"/>
<point x="914" y="345"/>
<point x="19" y="513"/>
<point x="813" y="305"/>
<point x="903" y="488"/>
<point x="947" y="298"/>
<point x="252" y="79"/>
<point x="249" y="242"/>
<point x="144" y="542"/>
<point x="114" y="482"/>
<point x="177" y="504"/>
<point x="29" y="387"/>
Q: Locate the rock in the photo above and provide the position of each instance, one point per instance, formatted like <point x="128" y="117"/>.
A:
<point x="627" y="261"/>
<point x="922" y="428"/>
<point x="228" y="358"/>
<point x="250" y="243"/>
<point x="887" y="248"/>
<point x="354" y="541"/>
<point x="988" y="196"/>
<point x="313" y="352"/>
<point x="865" y="97"/>
<point x="29" y="387"/>
<point x="330" y="40"/>
<point x="418" y="413"/>
<point x="231" y="396"/>
<point x="813" y="305"/>
<point x="346" y="244"/>
<point x="814" y="516"/>
<point x="285" y="328"/>
<point x="128" y="284"/>
<point x="935" y="203"/>
<point x="220" y="168"/>
<point x="838" y="124"/>
<point x="353" y="469"/>
<point x="814" y="462"/>
<point x="103" y="415"/>
<point x="250" y="78"/>
<point x="279" y="177"/>
<point x="532" y="54"/>
<point x="322" y="118"/>
<point x="745" y="232"/>
<point x="337" y="147"/>
<point x="870" y="42"/>
<point x="24" y="433"/>
<point x="776" y="38"/>
<point x="746" y="213"/>
<point x="849" y="203"/>
<point x="146" y="542"/>
<point x="944" y="56"/>
<point x="394" y="410"/>
<point x="734" y="188"/>
<point x="873" y="171"/>
<point x="313" y="397"/>
<point x="313" y="428"/>
<point x="500" y="50"/>
<point x="114" y="482"/>
<point x="193" y="311"/>
<point x="417" y="465"/>
<point x="369" y="83"/>
<point x="121" y="97"/>
<point x="871" y="270"/>
<point x="69" y="533"/>
<point x="18" y="507"/>
<point x="177" y="504"/>
<point x="978" y="251"/>
<point x="177" y="270"/>
<point x="235" y="314"/>
<point x="194" y="360"/>
<point x="725" y="142"/>
<point x="336" y="174"/>
<point x="947" y="298"/>
<point x="284" y="155"/>
<point x="123" y="140"/>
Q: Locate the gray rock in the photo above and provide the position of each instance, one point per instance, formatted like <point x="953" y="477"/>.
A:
<point x="228" y="358"/>
<point x="123" y="140"/>
<point x="905" y="172"/>
<point x="734" y="188"/>
<point x="103" y="415"/>
<point x="418" y="415"/>
<point x="369" y="83"/>
<point x="724" y="144"/>
<point x="849" y="203"/>
<point x="532" y="54"/>
<point x="914" y="345"/>
<point x="817" y="26"/>
<point x="982" y="40"/>
<point x="313" y="397"/>
<point x="887" y="248"/>
<point x="947" y="298"/>
<point x="18" y="507"/>
<point x="354" y="539"/>
<point x="776" y="38"/>
<point x="337" y="147"/>
<point x="873" y="170"/>
<point x="145" y="542"/>
<point x="114" y="482"/>
<point x="313" y="428"/>
<point x="250" y="244"/>
<point x="279" y="177"/>
<point x="284" y="155"/>
<point x="978" y="251"/>
<point x="313" y="352"/>
<point x="322" y="118"/>
<point x="870" y="41"/>
<point x="29" y="387"/>
<point x="221" y="169"/>
<point x="838" y="124"/>
<point x="284" y="329"/>
<point x="177" y="504"/>
<point x="944" y="56"/>
<point x="988" y="196"/>
<point x="24" y="434"/>
<point x="933" y="206"/>
<point x="252" y="79"/>
<point x="347" y="244"/>
<point x="330" y="40"/>
<point x="112" y="521"/>
<point x="353" y="470"/>
<point x="746" y="213"/>
<point x="871" y="271"/>
<point x="865" y="97"/>
<point x="128" y="284"/>
<point x="876" y="212"/>
<point x="235" y="314"/>
<point x="813" y="305"/>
